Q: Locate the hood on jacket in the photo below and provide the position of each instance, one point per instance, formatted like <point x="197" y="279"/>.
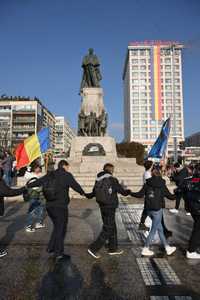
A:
<point x="102" y="175"/>
<point x="156" y="181"/>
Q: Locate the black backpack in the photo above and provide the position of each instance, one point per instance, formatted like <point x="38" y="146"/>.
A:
<point x="103" y="190"/>
<point x="153" y="198"/>
<point x="50" y="187"/>
<point x="193" y="197"/>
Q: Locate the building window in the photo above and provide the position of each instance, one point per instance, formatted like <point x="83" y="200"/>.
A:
<point x="135" y="81"/>
<point x="167" y="60"/>
<point x="134" y="68"/>
<point x="134" y="52"/>
<point x="167" y="68"/>
<point x="143" y="61"/>
<point x="134" y="61"/>
<point x="136" y="136"/>
<point x="144" y="122"/>
<point x="135" y="122"/>
<point x="142" y="67"/>
<point x="142" y="75"/>
<point x="135" y="95"/>
<point x="135" y="101"/>
<point x="168" y="80"/>
<point x="142" y="52"/>
<point x="167" y="74"/>
<point x="142" y="81"/>
<point x="145" y="136"/>
<point x="144" y="116"/>
<point x="135" y="116"/>
<point x="135" y="74"/>
<point x="143" y="101"/>
<point x="144" y="129"/>
<point x="143" y="87"/>
<point x="143" y="94"/>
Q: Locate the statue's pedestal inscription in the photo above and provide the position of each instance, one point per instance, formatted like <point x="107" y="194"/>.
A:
<point x="89" y="148"/>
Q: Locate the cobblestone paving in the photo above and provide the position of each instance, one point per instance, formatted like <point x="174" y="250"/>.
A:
<point x="27" y="273"/>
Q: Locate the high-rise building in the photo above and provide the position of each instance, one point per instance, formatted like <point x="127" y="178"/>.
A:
<point x="21" y="117"/>
<point x="64" y="135"/>
<point x="153" y="91"/>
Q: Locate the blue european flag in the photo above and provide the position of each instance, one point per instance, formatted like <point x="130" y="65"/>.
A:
<point x="160" y="145"/>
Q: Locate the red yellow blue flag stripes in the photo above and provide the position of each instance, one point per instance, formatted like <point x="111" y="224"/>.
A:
<point x="156" y="83"/>
<point x="32" y="148"/>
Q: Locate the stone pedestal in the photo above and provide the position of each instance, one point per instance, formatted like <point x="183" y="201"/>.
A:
<point x="93" y="149"/>
<point x="92" y="101"/>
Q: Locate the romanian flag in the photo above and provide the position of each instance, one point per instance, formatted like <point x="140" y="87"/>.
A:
<point x="32" y="148"/>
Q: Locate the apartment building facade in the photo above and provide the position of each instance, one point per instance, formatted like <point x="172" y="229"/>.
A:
<point x="64" y="135"/>
<point x="21" y="117"/>
<point x="153" y="91"/>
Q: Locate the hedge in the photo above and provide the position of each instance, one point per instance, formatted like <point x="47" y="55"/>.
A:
<point x="132" y="149"/>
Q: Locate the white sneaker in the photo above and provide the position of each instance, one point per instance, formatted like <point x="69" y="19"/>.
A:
<point x="147" y="252"/>
<point x="170" y="250"/>
<point x="174" y="211"/>
<point x="192" y="255"/>
<point x="39" y="225"/>
<point x="188" y="214"/>
<point x="29" y="229"/>
<point x="93" y="254"/>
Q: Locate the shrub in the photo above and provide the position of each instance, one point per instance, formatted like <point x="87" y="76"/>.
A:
<point x="132" y="149"/>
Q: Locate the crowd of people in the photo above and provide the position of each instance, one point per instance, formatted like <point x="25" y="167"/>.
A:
<point x="49" y="195"/>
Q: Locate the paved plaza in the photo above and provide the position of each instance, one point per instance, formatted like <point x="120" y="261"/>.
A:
<point x="27" y="273"/>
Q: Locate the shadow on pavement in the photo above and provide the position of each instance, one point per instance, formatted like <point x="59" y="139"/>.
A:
<point x="17" y="224"/>
<point x="62" y="282"/>
<point x="12" y="210"/>
<point x="99" y="288"/>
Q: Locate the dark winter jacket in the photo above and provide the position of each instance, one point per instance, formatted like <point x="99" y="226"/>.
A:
<point x="6" y="191"/>
<point x="154" y="192"/>
<point x="190" y="188"/>
<point x="178" y="177"/>
<point x="64" y="181"/>
<point x="116" y="188"/>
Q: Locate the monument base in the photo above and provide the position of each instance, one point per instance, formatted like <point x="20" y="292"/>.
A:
<point x="89" y="148"/>
<point x="88" y="155"/>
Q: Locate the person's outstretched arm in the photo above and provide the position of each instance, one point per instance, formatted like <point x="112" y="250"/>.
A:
<point x="6" y="191"/>
<point x="139" y="194"/>
<point x="75" y="185"/>
<point x="37" y="182"/>
<point x="120" y="189"/>
<point x="169" y="195"/>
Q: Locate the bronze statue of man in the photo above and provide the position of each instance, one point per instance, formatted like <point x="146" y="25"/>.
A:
<point x="91" y="71"/>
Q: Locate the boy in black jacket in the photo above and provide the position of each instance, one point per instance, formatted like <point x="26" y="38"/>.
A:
<point x="105" y="190"/>
<point x="6" y="191"/>
<point x="57" y="208"/>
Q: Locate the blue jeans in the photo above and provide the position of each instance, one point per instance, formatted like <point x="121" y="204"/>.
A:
<point x="156" y="217"/>
<point x="36" y="213"/>
<point x="7" y="177"/>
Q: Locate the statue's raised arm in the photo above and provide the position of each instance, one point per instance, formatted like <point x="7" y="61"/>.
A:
<point x="91" y="71"/>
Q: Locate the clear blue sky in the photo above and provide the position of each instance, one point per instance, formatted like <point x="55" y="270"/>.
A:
<point x="42" y="43"/>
